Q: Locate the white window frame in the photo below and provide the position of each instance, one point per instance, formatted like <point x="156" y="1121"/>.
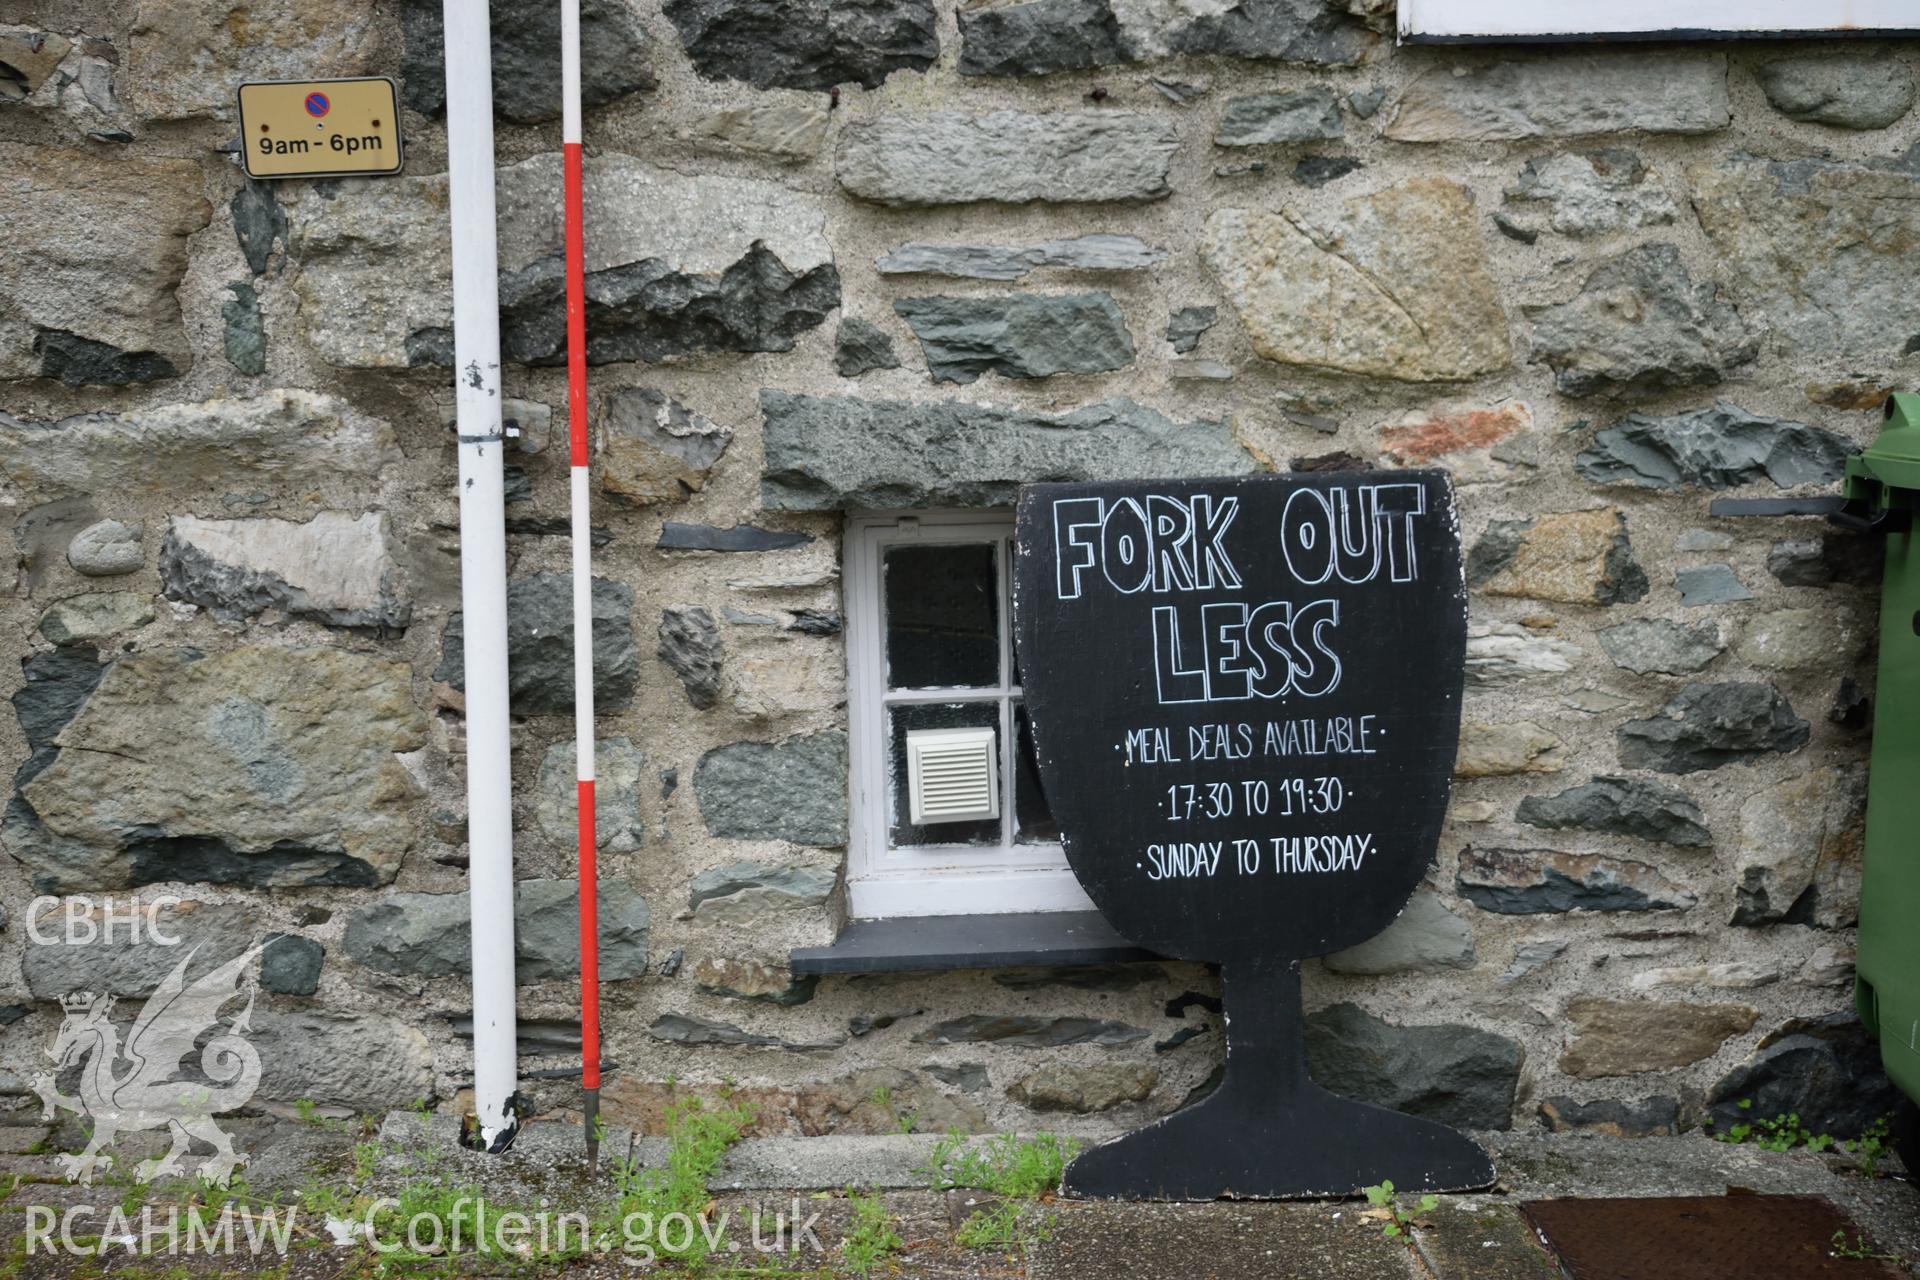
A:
<point x="1471" y="20"/>
<point x="930" y="880"/>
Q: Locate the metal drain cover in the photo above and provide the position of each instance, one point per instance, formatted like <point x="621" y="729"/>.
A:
<point x="1752" y="1237"/>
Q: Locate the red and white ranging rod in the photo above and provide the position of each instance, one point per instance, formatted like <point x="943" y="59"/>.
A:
<point x="582" y="566"/>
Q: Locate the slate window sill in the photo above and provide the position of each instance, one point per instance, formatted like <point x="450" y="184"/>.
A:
<point x="907" y="943"/>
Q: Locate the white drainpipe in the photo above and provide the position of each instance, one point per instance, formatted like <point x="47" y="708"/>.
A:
<point x="483" y="565"/>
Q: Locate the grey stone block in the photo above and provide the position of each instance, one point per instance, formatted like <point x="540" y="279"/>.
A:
<point x="1454" y="1074"/>
<point x="794" y="790"/>
<point x="1711" y="725"/>
<point x="1020" y="335"/>
<point x="1623" y="806"/>
<point x="1007" y="156"/>
<point x="540" y="645"/>
<point x="826" y="454"/>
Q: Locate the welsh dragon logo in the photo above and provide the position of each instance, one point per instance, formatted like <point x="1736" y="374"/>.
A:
<point x="148" y="1091"/>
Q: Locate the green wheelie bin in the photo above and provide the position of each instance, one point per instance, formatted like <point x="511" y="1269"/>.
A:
<point x="1882" y="494"/>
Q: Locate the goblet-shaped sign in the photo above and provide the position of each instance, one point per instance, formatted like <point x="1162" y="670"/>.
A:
<point x="1245" y="700"/>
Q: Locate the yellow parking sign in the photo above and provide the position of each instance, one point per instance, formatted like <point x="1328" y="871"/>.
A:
<point x="320" y="128"/>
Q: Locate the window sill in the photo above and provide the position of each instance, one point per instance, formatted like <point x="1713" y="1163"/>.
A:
<point x="908" y="943"/>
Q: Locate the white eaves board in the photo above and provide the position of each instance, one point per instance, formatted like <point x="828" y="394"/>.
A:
<point x="1494" y="20"/>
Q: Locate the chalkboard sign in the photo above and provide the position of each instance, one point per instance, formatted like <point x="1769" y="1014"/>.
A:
<point x="1245" y="700"/>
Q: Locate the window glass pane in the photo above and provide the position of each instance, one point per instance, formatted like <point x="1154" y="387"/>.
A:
<point x="943" y="628"/>
<point x="1013" y="654"/>
<point x="1033" y="819"/>
<point x="901" y="833"/>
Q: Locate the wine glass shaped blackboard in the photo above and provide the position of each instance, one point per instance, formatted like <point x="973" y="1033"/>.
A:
<point x="1245" y="700"/>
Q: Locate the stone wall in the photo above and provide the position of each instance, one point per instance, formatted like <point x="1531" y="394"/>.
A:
<point x="878" y="253"/>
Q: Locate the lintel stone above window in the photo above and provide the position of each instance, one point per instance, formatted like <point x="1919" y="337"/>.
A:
<point x="842" y="453"/>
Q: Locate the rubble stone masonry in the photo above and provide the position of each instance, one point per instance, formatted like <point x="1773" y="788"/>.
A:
<point x="847" y="254"/>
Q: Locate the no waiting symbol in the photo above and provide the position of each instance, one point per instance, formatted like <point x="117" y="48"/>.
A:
<point x="317" y="104"/>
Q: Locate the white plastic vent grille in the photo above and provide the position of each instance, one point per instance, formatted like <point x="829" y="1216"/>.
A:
<point x="952" y="776"/>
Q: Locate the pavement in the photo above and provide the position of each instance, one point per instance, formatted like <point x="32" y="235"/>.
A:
<point x="770" y="1188"/>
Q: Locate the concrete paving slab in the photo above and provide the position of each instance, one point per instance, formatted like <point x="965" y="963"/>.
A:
<point x="546" y="1151"/>
<point x="963" y="1204"/>
<point x="1476" y="1237"/>
<point x="1098" y="1240"/>
<point x="1543" y="1165"/>
<point x="18" y="1139"/>
<point x="887" y="1162"/>
<point x="927" y="1252"/>
<point x="34" y="1167"/>
<point x="284" y="1156"/>
<point x="1471" y="1238"/>
<point x="61" y="1196"/>
<point x="547" y="1158"/>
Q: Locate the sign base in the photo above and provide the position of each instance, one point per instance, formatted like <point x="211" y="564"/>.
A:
<point x="1268" y="1132"/>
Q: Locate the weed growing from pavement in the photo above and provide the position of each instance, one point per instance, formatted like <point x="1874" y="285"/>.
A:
<point x="389" y="1189"/>
<point x="1859" y="1248"/>
<point x="327" y="1199"/>
<point x="1871" y="1145"/>
<point x="697" y="1140"/>
<point x="1021" y="1172"/>
<point x="450" y="1209"/>
<point x="1009" y="1225"/>
<point x="133" y="1197"/>
<point x="1784" y="1132"/>
<point x="1006" y="1164"/>
<point x="209" y="1198"/>
<point x="427" y="1194"/>
<point x="1397" y="1224"/>
<point x="366" y="1158"/>
<point x="307" y="1111"/>
<point x="871" y="1236"/>
<point x="902" y="1124"/>
<point x="431" y="1199"/>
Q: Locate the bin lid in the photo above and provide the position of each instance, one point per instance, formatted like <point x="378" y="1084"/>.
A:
<point x="1893" y="460"/>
